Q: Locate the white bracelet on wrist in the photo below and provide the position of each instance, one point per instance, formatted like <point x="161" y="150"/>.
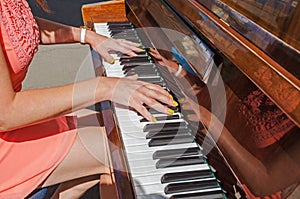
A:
<point x="82" y="34"/>
<point x="179" y="70"/>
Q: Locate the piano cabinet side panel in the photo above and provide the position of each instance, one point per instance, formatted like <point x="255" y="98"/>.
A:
<point x="121" y="181"/>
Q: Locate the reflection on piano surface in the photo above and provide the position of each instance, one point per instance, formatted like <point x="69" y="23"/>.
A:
<point x="236" y="130"/>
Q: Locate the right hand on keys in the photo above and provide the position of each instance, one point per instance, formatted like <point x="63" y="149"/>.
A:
<point x="137" y="94"/>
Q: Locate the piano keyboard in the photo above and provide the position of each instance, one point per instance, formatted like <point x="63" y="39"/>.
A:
<point x="164" y="160"/>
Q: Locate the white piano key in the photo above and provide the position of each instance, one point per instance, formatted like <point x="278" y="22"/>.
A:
<point x="134" y="141"/>
<point x="140" y="156"/>
<point x="146" y="163"/>
<point x="144" y="148"/>
<point x="151" y="170"/>
<point x="159" y="189"/>
<point x="155" y="179"/>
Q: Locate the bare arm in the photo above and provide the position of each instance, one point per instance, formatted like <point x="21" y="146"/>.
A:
<point x="53" y="33"/>
<point x="25" y="107"/>
<point x="20" y="108"/>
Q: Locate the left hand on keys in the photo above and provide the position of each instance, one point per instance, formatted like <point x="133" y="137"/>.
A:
<point x="104" y="46"/>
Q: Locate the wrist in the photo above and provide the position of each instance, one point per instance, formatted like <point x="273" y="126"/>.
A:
<point x="179" y="70"/>
<point x="84" y="34"/>
<point x="106" y="87"/>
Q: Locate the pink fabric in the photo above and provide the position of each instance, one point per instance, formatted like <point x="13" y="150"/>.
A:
<point x="29" y="154"/>
<point x="268" y="123"/>
<point x="20" y="37"/>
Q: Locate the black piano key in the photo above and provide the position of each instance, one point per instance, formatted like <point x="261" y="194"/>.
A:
<point x="168" y="134"/>
<point x="141" y="74"/>
<point x="138" y="54"/>
<point x="174" y="108"/>
<point x="123" y="31"/>
<point x="117" y="26"/>
<point x="134" y="59"/>
<point x="121" y="35"/>
<point x="186" y="176"/>
<point x="133" y="64"/>
<point x="119" y="23"/>
<point x="162" y="118"/>
<point x="164" y="126"/>
<point x="176" y="153"/>
<point x="218" y="194"/>
<point x="191" y="186"/>
<point x="153" y="111"/>
<point x="129" y="67"/>
<point x="175" y="162"/>
<point x="132" y="39"/>
<point x="178" y="139"/>
<point x="141" y="70"/>
<point x="171" y="130"/>
<point x="154" y="80"/>
<point x="143" y="55"/>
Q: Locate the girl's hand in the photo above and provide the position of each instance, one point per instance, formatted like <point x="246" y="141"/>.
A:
<point x="104" y="46"/>
<point x="137" y="94"/>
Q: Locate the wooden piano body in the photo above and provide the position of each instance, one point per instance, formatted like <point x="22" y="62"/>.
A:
<point x="258" y="61"/>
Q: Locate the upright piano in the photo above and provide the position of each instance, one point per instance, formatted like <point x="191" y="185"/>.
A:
<point x="240" y="63"/>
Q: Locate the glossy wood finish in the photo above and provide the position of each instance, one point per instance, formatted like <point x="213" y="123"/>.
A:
<point x="120" y="178"/>
<point x="103" y="12"/>
<point x="147" y="14"/>
<point x="277" y="83"/>
<point x="281" y="18"/>
<point x="270" y="25"/>
<point x="246" y="69"/>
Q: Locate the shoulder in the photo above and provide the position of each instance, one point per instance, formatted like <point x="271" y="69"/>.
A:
<point x="19" y="29"/>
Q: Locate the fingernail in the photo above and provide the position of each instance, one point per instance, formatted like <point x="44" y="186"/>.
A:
<point x="181" y="100"/>
<point x="111" y="60"/>
<point x="183" y="106"/>
<point x="190" y="115"/>
<point x="175" y="103"/>
<point x="171" y="97"/>
<point x="171" y="111"/>
<point x="136" y="75"/>
<point x="154" y="119"/>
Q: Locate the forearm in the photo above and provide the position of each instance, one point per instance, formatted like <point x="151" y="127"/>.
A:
<point x="52" y="32"/>
<point x="35" y="105"/>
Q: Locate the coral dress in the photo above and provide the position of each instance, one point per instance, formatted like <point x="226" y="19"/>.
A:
<point x="29" y="154"/>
